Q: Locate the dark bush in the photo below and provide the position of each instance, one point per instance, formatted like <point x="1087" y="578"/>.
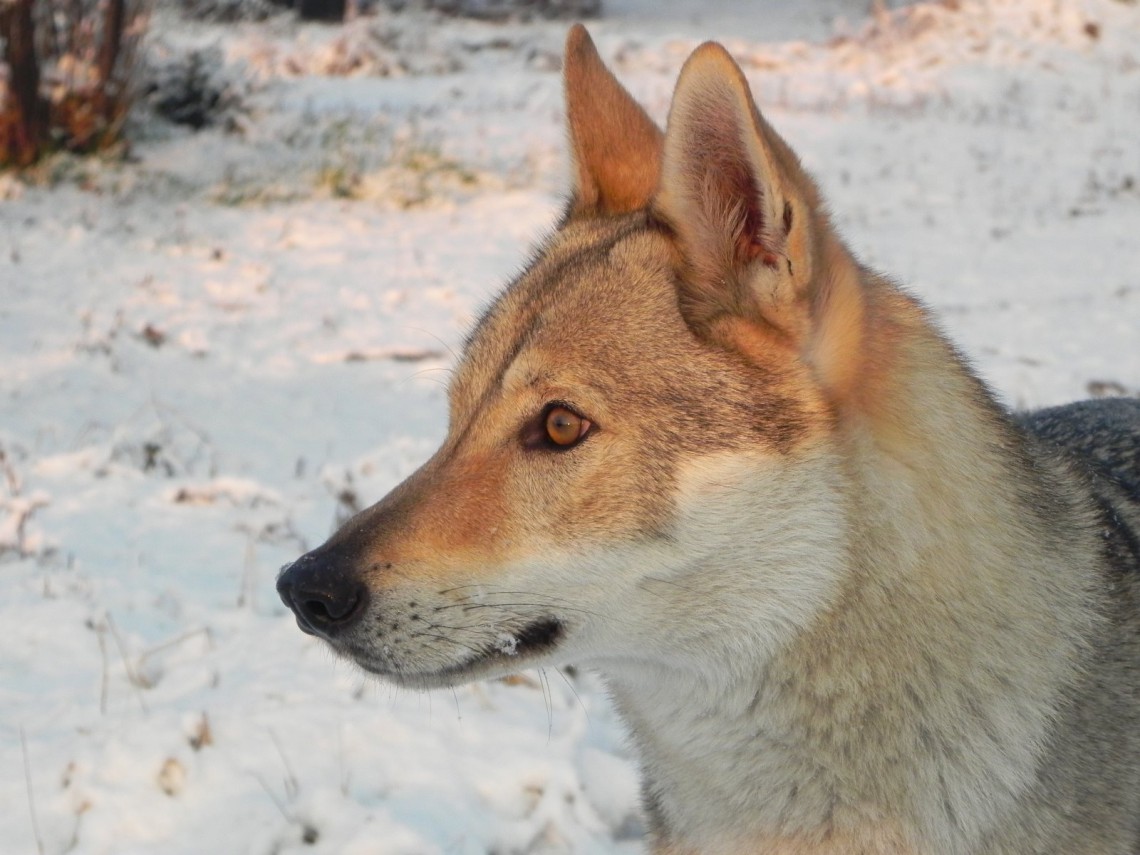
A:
<point x="321" y="10"/>
<point x="191" y="89"/>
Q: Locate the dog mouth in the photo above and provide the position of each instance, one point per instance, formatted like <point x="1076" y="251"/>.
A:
<point x="510" y="652"/>
<point x="536" y="638"/>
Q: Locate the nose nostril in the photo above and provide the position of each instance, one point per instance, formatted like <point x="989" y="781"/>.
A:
<point x="324" y="592"/>
<point x="329" y="609"/>
<point x="317" y="609"/>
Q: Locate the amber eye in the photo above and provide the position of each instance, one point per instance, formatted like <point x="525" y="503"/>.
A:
<point x="565" y="427"/>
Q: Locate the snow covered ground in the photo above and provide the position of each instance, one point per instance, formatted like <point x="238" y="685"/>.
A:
<point x="211" y="353"/>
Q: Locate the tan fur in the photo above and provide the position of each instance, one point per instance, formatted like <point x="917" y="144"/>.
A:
<point x="844" y="603"/>
<point x="617" y="147"/>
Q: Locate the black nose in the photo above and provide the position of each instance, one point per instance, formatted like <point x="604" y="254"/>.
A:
<point x="323" y="591"/>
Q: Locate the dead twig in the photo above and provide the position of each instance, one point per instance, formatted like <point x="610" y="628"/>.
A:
<point x="132" y="675"/>
<point x="31" y="792"/>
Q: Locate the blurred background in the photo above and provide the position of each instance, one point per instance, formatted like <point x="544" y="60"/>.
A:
<point x="240" y="243"/>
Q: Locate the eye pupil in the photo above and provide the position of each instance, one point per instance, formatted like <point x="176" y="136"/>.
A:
<point x="563" y="426"/>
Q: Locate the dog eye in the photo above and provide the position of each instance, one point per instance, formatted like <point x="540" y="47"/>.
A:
<point x="565" y="427"/>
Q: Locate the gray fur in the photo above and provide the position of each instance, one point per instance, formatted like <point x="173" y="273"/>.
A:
<point x="1091" y="775"/>
<point x="1104" y="434"/>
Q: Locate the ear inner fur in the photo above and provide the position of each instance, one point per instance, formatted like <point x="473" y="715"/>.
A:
<point x="750" y="228"/>
<point x="616" y="146"/>
<point x="720" y="185"/>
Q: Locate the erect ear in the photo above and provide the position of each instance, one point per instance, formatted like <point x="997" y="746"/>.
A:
<point x="742" y="209"/>
<point x="616" y="146"/>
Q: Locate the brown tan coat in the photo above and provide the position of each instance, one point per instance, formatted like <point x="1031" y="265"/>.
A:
<point x="845" y="603"/>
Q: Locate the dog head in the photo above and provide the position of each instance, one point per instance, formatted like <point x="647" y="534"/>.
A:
<point x="640" y="426"/>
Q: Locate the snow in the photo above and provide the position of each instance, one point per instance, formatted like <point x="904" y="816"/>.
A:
<point x="214" y="351"/>
<point x="507" y="643"/>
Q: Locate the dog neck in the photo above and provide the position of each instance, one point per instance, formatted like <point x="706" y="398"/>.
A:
<point x="905" y="712"/>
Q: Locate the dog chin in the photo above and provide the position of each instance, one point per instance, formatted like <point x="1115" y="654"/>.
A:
<point x="516" y="651"/>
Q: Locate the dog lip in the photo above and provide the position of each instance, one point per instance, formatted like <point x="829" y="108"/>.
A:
<point x="539" y="636"/>
<point x="532" y="640"/>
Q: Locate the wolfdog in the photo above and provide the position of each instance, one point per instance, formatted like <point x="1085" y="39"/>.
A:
<point x="845" y="602"/>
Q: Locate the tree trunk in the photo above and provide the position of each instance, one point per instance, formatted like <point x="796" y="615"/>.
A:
<point x="24" y="120"/>
<point x="112" y="40"/>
